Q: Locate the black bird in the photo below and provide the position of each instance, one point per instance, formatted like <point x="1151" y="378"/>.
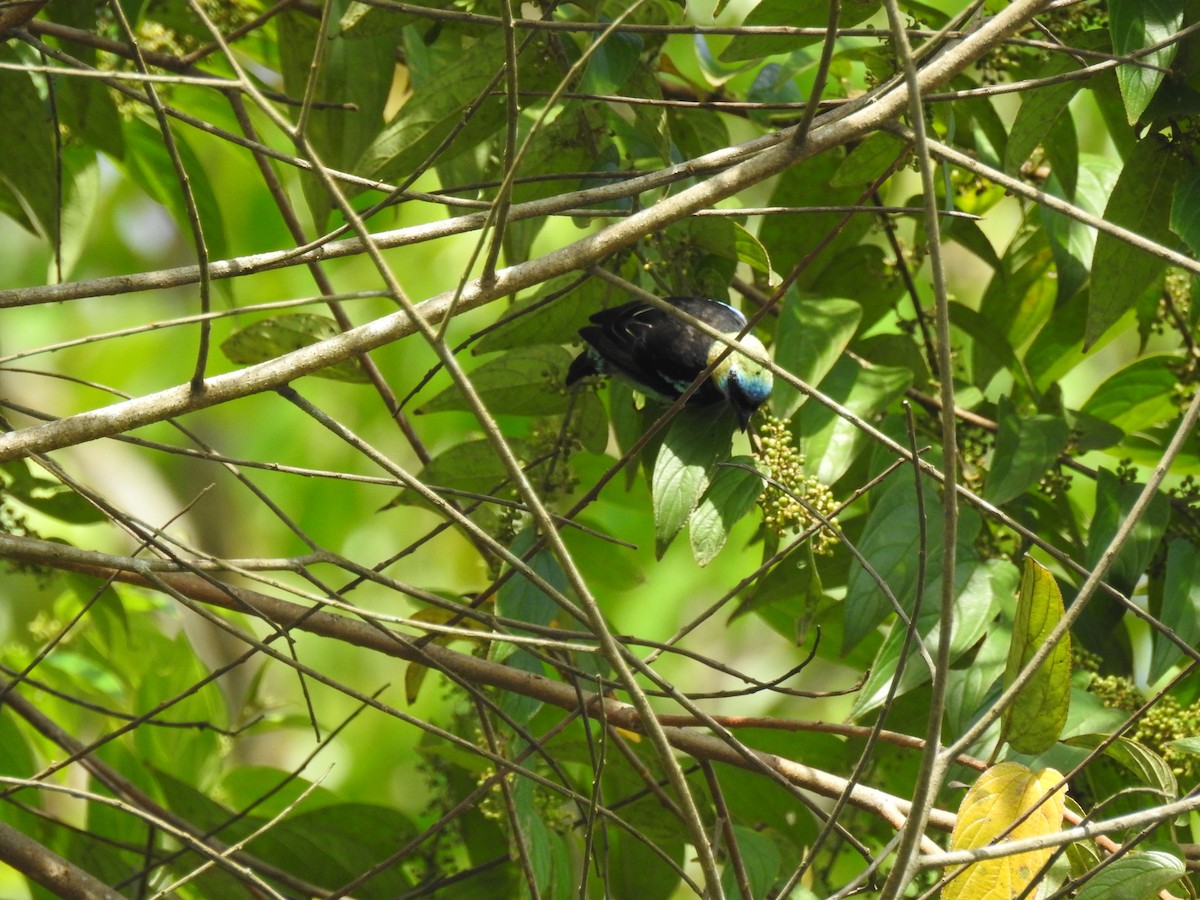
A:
<point x="661" y="354"/>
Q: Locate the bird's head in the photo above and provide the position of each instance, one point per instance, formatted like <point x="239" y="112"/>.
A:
<point x="745" y="383"/>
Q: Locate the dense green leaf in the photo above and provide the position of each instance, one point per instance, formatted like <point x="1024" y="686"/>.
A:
<point x="796" y="14"/>
<point x="862" y="273"/>
<point x="893" y="542"/>
<point x="1114" y="500"/>
<point x="149" y="164"/>
<point x="1026" y="448"/>
<point x="1141" y="202"/>
<point x="27" y="179"/>
<point x="50" y="498"/>
<point x="435" y="110"/>
<point x="1039" y="111"/>
<point x="761" y="860"/>
<point x="868" y="161"/>
<point x="791" y="241"/>
<point x="1185" y="210"/>
<point x="1144" y="765"/>
<point x="1017" y="300"/>
<point x="1072" y="242"/>
<point x="979" y="591"/>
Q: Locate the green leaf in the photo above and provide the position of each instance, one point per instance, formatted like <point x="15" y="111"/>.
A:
<point x="694" y="441"/>
<point x="337" y="135"/>
<point x="1146" y="766"/>
<point x="550" y="316"/>
<point x="1114" y="500"/>
<point x="789" y="240"/>
<point x="862" y="272"/>
<point x="1034" y="720"/>
<point x="1072" y="242"/>
<point x="967" y="234"/>
<point x="810" y="337"/>
<point x="729" y="498"/>
<point x="591" y="421"/>
<point x="1026" y="448"/>
<point x="1141" y="202"/>
<point x="566" y="145"/>
<point x="521" y="599"/>
<point x="438" y="104"/>
<point x="870" y="159"/>
<point x="1017" y="301"/>
<point x="891" y="542"/>
<point x="1135" y="876"/>
<point x="980" y="587"/>
<point x="1180" y="610"/>
<point x="27" y="179"/>
<point x="797" y="14"/>
<point x="88" y="109"/>
<point x="269" y="338"/>
<point x="726" y="239"/>
<point x="527" y="382"/>
<point x="1185" y="210"/>
<point x="990" y="349"/>
<point x="471" y="466"/>
<point x="1039" y="111"/>
<point x="761" y="859"/>
<point x="830" y="443"/>
<point x="1136" y="24"/>
<point x="612" y="63"/>
<point x="1137" y="397"/>
<point x="50" y="498"/>
<point x="149" y="164"/>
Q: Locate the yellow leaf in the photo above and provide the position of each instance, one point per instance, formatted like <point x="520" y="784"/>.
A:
<point x="1001" y="796"/>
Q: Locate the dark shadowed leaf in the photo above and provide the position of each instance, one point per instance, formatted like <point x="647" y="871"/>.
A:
<point x="1141" y="202"/>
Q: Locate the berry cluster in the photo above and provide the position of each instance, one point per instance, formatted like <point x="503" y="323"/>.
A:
<point x="794" y="502"/>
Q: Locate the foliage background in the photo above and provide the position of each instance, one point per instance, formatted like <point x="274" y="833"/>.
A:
<point x="829" y="236"/>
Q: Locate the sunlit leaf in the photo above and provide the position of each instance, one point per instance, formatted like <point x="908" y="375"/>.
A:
<point x="1134" y="876"/>
<point x="1002" y="796"/>
<point x="1135" y="25"/>
<point x="810" y="337"/>
<point x="729" y="498"/>
<point x="1142" y="763"/>
<point x="829" y="442"/>
<point x="1034" y="720"/>
<point x="683" y="469"/>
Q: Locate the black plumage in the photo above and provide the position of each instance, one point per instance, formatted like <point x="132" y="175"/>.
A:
<point x="662" y="355"/>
